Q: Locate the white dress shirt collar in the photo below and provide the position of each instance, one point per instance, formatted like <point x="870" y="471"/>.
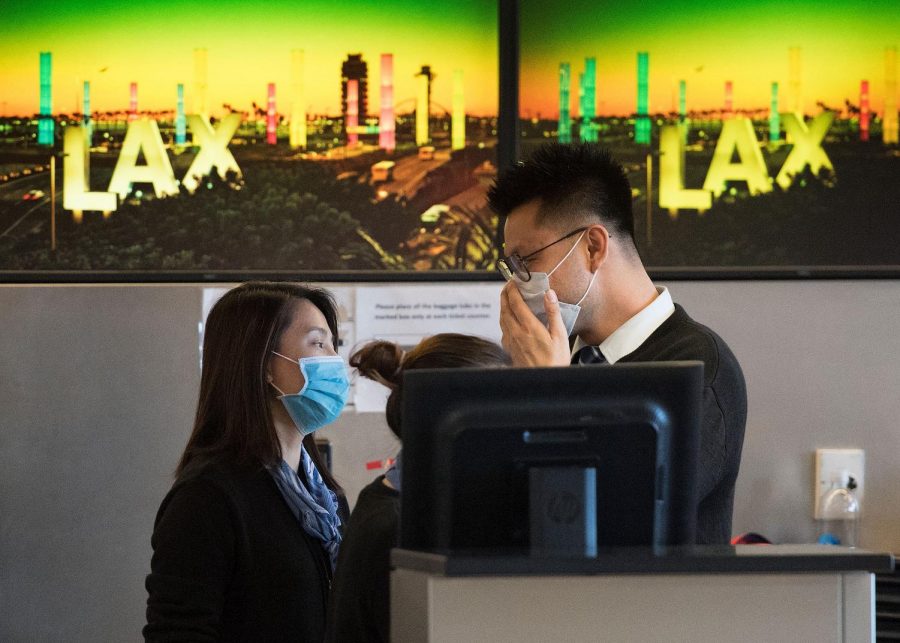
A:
<point x="630" y="335"/>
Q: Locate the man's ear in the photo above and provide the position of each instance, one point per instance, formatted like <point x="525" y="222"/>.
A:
<point x="598" y="246"/>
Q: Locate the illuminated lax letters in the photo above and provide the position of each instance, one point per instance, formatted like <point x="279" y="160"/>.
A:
<point x="76" y="176"/>
<point x="143" y="136"/>
<point x="214" y="150"/>
<point x="672" y="194"/>
<point x="807" y="146"/>
<point x="737" y="135"/>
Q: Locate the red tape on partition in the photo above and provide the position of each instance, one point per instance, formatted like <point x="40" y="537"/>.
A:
<point x="371" y="465"/>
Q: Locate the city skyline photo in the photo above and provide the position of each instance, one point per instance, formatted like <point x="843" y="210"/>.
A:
<point x="224" y="136"/>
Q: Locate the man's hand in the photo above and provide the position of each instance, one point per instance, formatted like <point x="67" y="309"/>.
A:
<point x="524" y="336"/>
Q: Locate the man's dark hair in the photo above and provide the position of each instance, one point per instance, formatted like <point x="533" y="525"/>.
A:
<point x="575" y="184"/>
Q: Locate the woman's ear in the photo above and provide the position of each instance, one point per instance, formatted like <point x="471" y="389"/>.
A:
<point x="270" y="386"/>
<point x="598" y="246"/>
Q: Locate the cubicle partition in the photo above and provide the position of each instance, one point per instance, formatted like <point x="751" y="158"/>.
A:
<point x="98" y="385"/>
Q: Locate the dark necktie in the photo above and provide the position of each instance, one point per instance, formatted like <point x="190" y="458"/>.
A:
<point x="588" y="355"/>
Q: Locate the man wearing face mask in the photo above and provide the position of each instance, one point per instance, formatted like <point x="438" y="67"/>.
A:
<point x="578" y="293"/>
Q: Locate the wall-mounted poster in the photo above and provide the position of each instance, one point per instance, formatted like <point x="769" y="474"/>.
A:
<point x="233" y="136"/>
<point x="755" y="134"/>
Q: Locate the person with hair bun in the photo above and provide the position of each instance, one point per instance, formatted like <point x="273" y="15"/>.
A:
<point x="360" y="607"/>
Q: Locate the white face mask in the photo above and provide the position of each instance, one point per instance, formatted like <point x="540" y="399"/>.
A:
<point x="533" y="293"/>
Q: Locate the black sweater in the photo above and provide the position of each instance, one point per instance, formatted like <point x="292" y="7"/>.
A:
<point x="724" y="414"/>
<point x="232" y="563"/>
<point x="360" y="608"/>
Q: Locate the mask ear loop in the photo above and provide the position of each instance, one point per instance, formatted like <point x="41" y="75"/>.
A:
<point x="591" y="284"/>
<point x="271" y="383"/>
<point x="584" y="296"/>
<point x="285" y="357"/>
<point x="571" y="250"/>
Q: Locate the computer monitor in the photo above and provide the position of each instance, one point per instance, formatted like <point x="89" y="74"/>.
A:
<point x="550" y="460"/>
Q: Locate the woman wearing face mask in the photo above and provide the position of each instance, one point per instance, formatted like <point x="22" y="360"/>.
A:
<point x="245" y="542"/>
<point x="360" y="608"/>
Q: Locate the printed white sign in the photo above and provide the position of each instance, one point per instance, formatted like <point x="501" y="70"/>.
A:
<point x="406" y="314"/>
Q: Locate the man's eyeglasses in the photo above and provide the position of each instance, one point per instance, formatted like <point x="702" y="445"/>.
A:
<point x="517" y="265"/>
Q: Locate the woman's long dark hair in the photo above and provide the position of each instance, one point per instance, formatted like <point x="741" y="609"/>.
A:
<point x="233" y="420"/>
<point x="385" y="363"/>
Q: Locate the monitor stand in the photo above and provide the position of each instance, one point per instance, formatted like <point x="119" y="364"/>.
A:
<point x="563" y="511"/>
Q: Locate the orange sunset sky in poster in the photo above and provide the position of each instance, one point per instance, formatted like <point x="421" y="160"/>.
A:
<point x="114" y="43"/>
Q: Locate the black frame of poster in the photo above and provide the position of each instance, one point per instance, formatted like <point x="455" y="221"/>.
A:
<point x="508" y="136"/>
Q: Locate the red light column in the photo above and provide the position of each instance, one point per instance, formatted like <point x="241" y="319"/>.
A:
<point x="271" y="134"/>
<point x="132" y="106"/>
<point x="864" y="110"/>
<point x="352" y="124"/>
<point x="729" y="99"/>
<point x="386" y="126"/>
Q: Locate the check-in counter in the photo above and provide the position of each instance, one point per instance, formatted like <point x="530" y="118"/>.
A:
<point x="705" y="593"/>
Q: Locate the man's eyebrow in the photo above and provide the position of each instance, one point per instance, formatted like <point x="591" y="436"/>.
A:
<point x="518" y="250"/>
<point x="506" y="249"/>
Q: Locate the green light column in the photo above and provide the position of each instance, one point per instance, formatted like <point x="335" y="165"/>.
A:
<point x="588" y="130"/>
<point x="642" y="126"/>
<point x="682" y="113"/>
<point x="86" y="112"/>
<point x="564" y="134"/>
<point x="774" y="119"/>
<point x="180" y="119"/>
<point x="45" y="120"/>
<point x="580" y="104"/>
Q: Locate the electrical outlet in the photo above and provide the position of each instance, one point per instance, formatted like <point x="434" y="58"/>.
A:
<point x="832" y="461"/>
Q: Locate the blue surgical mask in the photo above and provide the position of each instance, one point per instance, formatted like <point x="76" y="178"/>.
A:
<point x="323" y="395"/>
